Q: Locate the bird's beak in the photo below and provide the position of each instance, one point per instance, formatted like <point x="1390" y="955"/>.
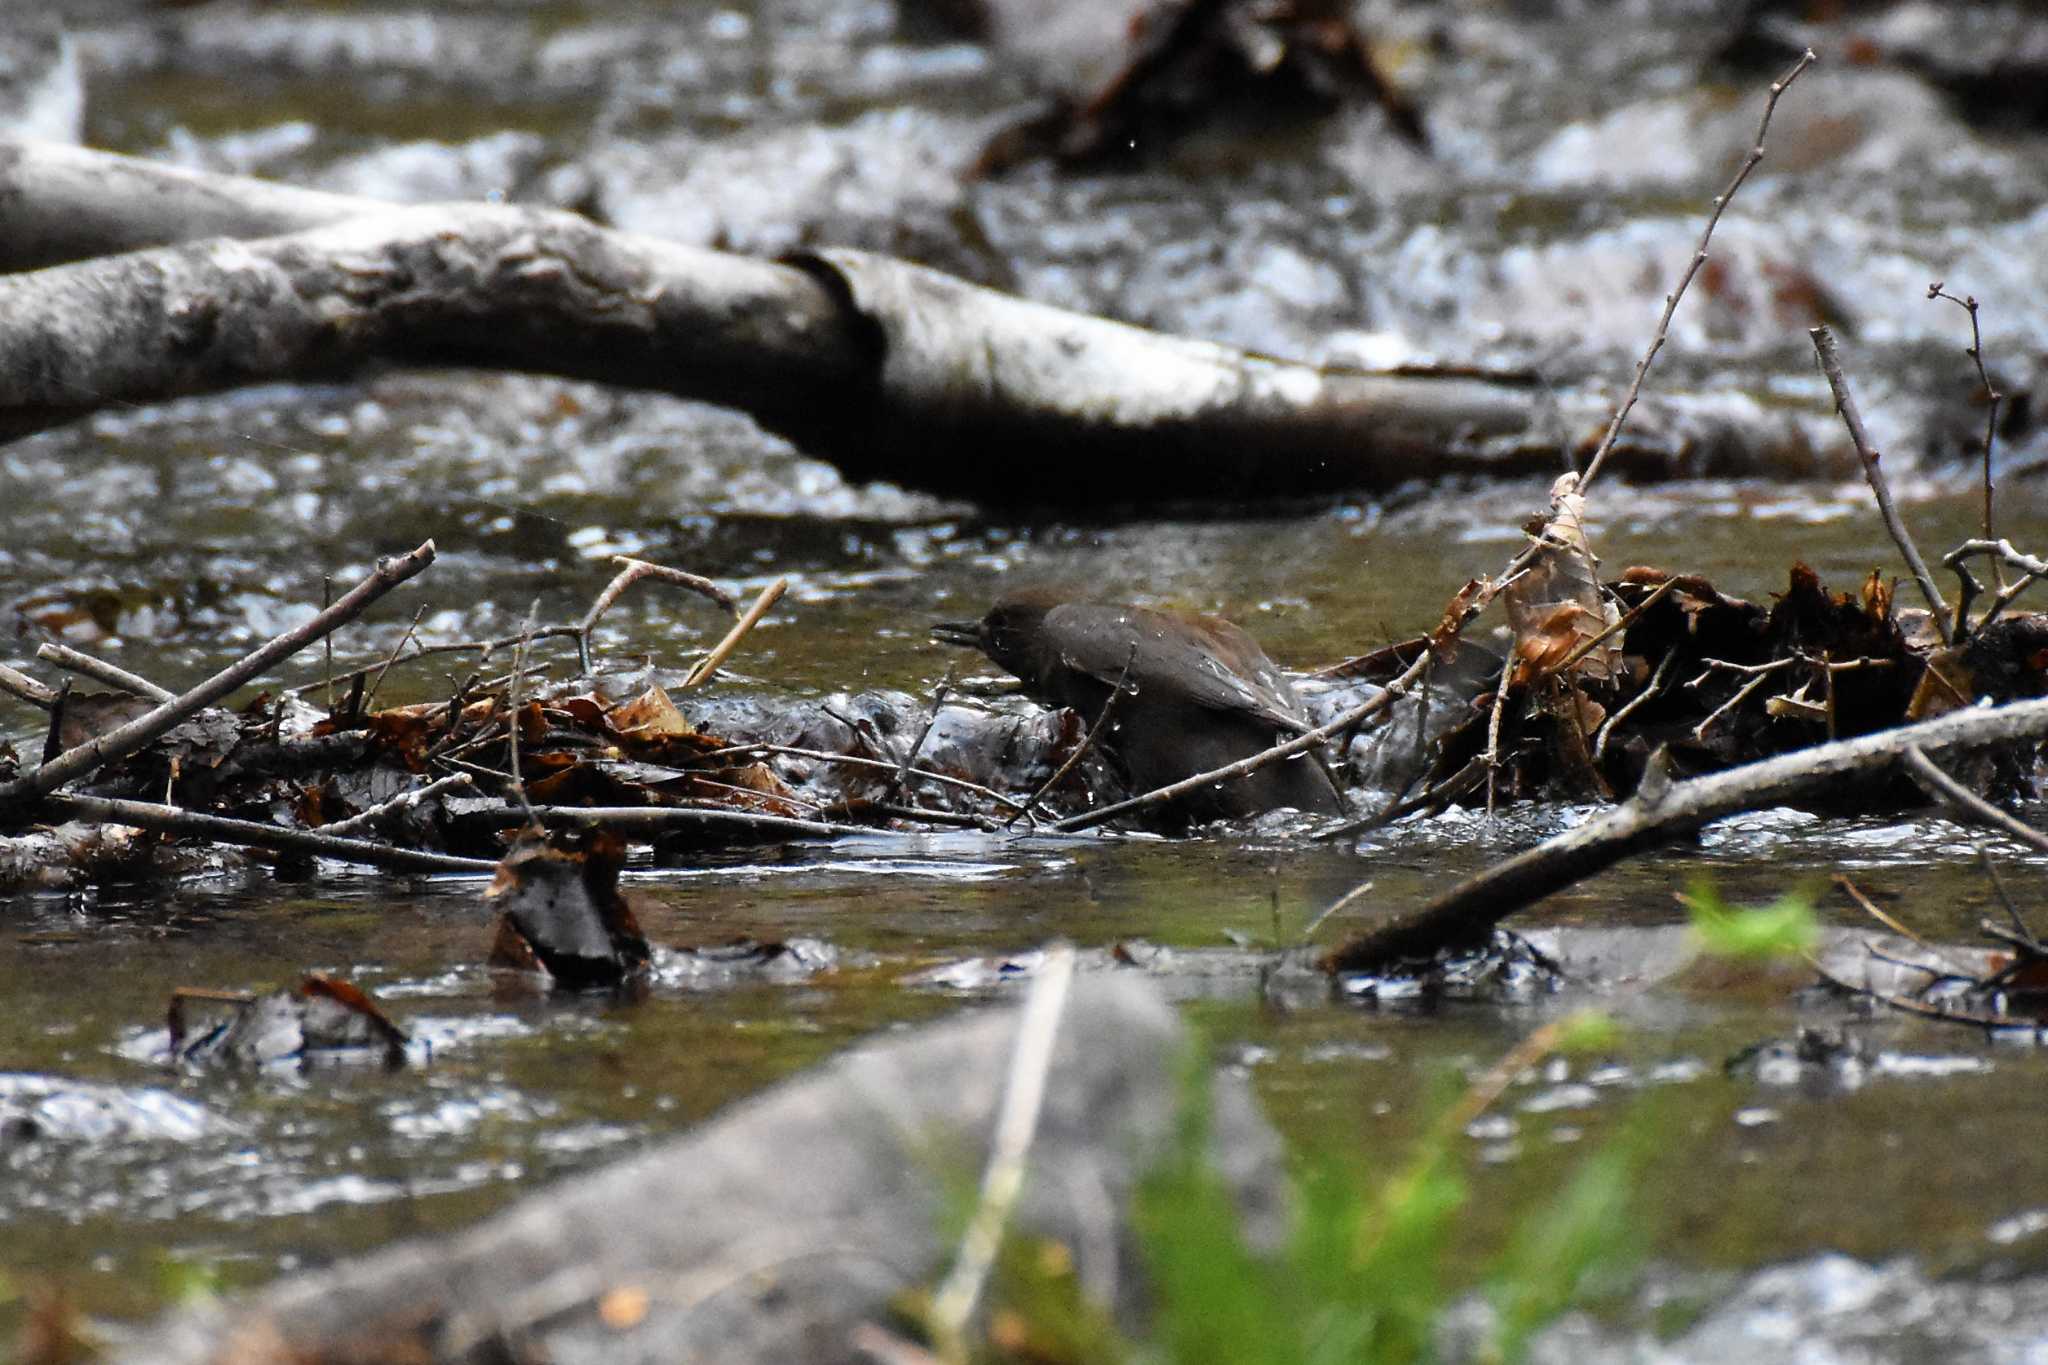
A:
<point x="966" y="633"/>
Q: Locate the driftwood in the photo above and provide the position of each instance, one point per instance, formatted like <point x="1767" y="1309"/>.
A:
<point x="885" y="368"/>
<point x="774" y="1231"/>
<point x="1661" y="808"/>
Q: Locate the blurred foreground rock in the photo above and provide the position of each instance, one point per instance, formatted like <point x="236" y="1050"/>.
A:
<point x="771" y="1232"/>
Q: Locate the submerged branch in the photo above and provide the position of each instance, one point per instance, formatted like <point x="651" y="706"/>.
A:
<point x="250" y="834"/>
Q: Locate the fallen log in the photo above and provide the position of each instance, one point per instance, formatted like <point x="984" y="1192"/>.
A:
<point x="885" y="368"/>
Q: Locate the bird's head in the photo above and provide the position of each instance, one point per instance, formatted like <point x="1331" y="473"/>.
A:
<point x="1012" y="634"/>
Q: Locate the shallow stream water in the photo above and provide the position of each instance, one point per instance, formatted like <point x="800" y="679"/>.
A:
<point x="172" y="538"/>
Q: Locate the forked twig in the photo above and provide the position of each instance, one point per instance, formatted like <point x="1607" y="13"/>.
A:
<point x="1999" y="552"/>
<point x="632" y="571"/>
<point x="368" y="819"/>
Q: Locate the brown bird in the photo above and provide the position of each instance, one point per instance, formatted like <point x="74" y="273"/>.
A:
<point x="1199" y="693"/>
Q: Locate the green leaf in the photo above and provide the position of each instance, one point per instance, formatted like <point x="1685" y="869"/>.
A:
<point x="1785" y="928"/>
<point x="1587" y="1031"/>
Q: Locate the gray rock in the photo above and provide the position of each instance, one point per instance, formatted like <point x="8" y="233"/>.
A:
<point x="769" y="1233"/>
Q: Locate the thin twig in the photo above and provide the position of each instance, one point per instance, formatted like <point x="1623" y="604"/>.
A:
<point x="922" y="814"/>
<point x="1438" y="796"/>
<point x="1991" y="394"/>
<point x="1949" y="792"/>
<point x="1398" y="803"/>
<point x="1891" y="922"/>
<point x="250" y="834"/>
<point x="658" y="818"/>
<point x="632" y="571"/>
<point x="1343" y="902"/>
<point x="722" y="651"/>
<point x="1481" y="1094"/>
<point x="370" y="697"/>
<point x="138" y="733"/>
<point x="326" y="601"/>
<point x="1852" y="418"/>
<point x="1493" y="719"/>
<point x="698" y="782"/>
<point x="1002" y="1180"/>
<point x="1088" y="741"/>
<point x="1908" y="1005"/>
<point x="404" y="801"/>
<point x="512" y="715"/>
<point x="901" y="777"/>
<point x="856" y="761"/>
<point x="1747" y="690"/>
<point x="1629" y="708"/>
<point x="2012" y="910"/>
<point x="485" y="647"/>
<point x="1619" y="624"/>
<point x="1699" y="258"/>
<point x="99" y="670"/>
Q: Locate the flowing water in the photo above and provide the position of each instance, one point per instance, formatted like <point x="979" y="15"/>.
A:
<point x="1565" y="189"/>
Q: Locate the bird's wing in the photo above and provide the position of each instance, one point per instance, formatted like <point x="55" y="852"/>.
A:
<point x="1166" y="662"/>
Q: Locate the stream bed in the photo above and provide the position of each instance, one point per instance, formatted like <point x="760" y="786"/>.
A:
<point x="1575" y="148"/>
